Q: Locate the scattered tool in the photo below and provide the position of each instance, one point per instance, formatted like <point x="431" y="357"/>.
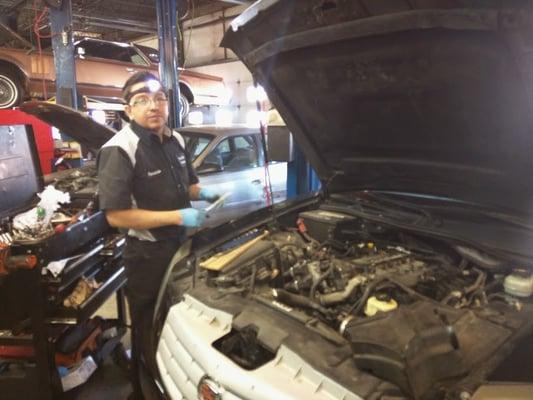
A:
<point x="217" y="204"/>
<point x="9" y="263"/>
<point x="83" y="290"/>
<point x="88" y="345"/>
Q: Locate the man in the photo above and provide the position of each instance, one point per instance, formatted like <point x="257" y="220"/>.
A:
<point x="146" y="182"/>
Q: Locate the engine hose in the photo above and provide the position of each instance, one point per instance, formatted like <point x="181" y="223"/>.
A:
<point x="319" y="281"/>
<point x="480" y="281"/>
<point x="343" y="295"/>
<point x="298" y="301"/>
<point x="356" y="308"/>
<point x="309" y="238"/>
<point x="410" y="291"/>
<point x="252" y="278"/>
<point x="281" y="247"/>
<point x="475" y="287"/>
<point x="482" y="259"/>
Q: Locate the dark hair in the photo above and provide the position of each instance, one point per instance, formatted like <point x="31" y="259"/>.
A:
<point x="142" y="76"/>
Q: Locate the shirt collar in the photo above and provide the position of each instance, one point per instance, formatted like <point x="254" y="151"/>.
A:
<point x="147" y="134"/>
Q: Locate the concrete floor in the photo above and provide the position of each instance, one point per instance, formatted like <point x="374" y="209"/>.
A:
<point x="108" y="381"/>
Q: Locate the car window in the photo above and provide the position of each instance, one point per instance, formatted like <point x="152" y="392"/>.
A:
<point x="219" y="155"/>
<point x="149" y="52"/>
<point x="92" y="49"/>
<point x="135" y="57"/>
<point x="244" y="142"/>
<point x="224" y="147"/>
<point x="111" y="51"/>
<point x="237" y="153"/>
<point x="196" y="143"/>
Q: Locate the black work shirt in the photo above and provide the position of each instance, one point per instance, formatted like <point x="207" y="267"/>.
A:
<point x="137" y="170"/>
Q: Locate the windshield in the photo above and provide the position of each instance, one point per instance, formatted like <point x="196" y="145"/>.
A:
<point x="195" y="143"/>
<point x="151" y="53"/>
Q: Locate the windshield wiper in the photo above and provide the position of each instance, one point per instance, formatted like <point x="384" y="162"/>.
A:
<point x="467" y="212"/>
<point x="369" y="204"/>
<point x="437" y="209"/>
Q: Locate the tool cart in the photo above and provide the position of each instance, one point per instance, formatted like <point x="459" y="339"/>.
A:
<point x="47" y="322"/>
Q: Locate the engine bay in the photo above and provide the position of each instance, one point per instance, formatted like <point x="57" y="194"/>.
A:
<point x="418" y="312"/>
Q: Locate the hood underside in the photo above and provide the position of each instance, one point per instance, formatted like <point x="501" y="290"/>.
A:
<point x="78" y="126"/>
<point x="433" y="98"/>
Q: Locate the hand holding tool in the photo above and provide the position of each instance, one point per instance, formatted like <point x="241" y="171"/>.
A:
<point x="217" y="204"/>
<point x="208" y="194"/>
<point x="191" y="217"/>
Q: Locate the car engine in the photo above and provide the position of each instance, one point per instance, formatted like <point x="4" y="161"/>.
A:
<point x="415" y="311"/>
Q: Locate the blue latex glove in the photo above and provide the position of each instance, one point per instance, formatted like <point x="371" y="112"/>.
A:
<point x="209" y="195"/>
<point x="192" y="217"/>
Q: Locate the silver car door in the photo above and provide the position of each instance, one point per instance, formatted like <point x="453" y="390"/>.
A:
<point x="234" y="166"/>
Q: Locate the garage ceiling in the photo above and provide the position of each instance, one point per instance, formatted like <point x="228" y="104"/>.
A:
<point x="121" y="20"/>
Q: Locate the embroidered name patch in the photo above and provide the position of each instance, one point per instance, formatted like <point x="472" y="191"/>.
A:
<point x="154" y="173"/>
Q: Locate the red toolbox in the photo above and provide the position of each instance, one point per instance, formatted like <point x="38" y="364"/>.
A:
<point x="42" y="133"/>
<point x="33" y="314"/>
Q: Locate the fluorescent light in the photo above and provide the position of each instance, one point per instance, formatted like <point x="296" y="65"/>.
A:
<point x="254" y="94"/>
<point x="56" y="135"/>
<point x="226" y="95"/>
<point x="254" y="118"/>
<point x="98" y="116"/>
<point x="223" y="117"/>
<point x="195" y="118"/>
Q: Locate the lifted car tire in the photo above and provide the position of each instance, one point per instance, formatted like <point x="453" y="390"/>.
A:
<point x="11" y="90"/>
<point x="184" y="106"/>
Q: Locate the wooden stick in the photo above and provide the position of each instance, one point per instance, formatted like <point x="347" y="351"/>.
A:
<point x="220" y="260"/>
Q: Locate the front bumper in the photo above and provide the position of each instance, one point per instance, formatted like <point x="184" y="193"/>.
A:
<point x="185" y="356"/>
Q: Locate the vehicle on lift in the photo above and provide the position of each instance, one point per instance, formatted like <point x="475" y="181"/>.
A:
<point x="409" y="276"/>
<point x="102" y="68"/>
<point x="231" y="160"/>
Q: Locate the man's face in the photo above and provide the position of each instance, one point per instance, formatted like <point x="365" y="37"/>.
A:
<point x="148" y="108"/>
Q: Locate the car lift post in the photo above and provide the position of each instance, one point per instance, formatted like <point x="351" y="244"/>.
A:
<point x="301" y="178"/>
<point x="168" y="56"/>
<point x="63" y="47"/>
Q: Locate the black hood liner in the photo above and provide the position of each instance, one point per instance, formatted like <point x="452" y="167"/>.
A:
<point x="435" y="100"/>
<point x="75" y="124"/>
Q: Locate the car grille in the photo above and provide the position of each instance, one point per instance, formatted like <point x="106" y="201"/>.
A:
<point x="185" y="355"/>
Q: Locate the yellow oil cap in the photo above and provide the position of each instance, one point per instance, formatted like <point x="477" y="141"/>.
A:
<point x="374" y="305"/>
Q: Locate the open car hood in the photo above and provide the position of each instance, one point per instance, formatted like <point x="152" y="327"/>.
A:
<point x="78" y="126"/>
<point x="433" y="99"/>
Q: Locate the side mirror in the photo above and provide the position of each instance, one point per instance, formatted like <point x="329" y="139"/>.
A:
<point x="209" y="168"/>
<point x="80" y="51"/>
